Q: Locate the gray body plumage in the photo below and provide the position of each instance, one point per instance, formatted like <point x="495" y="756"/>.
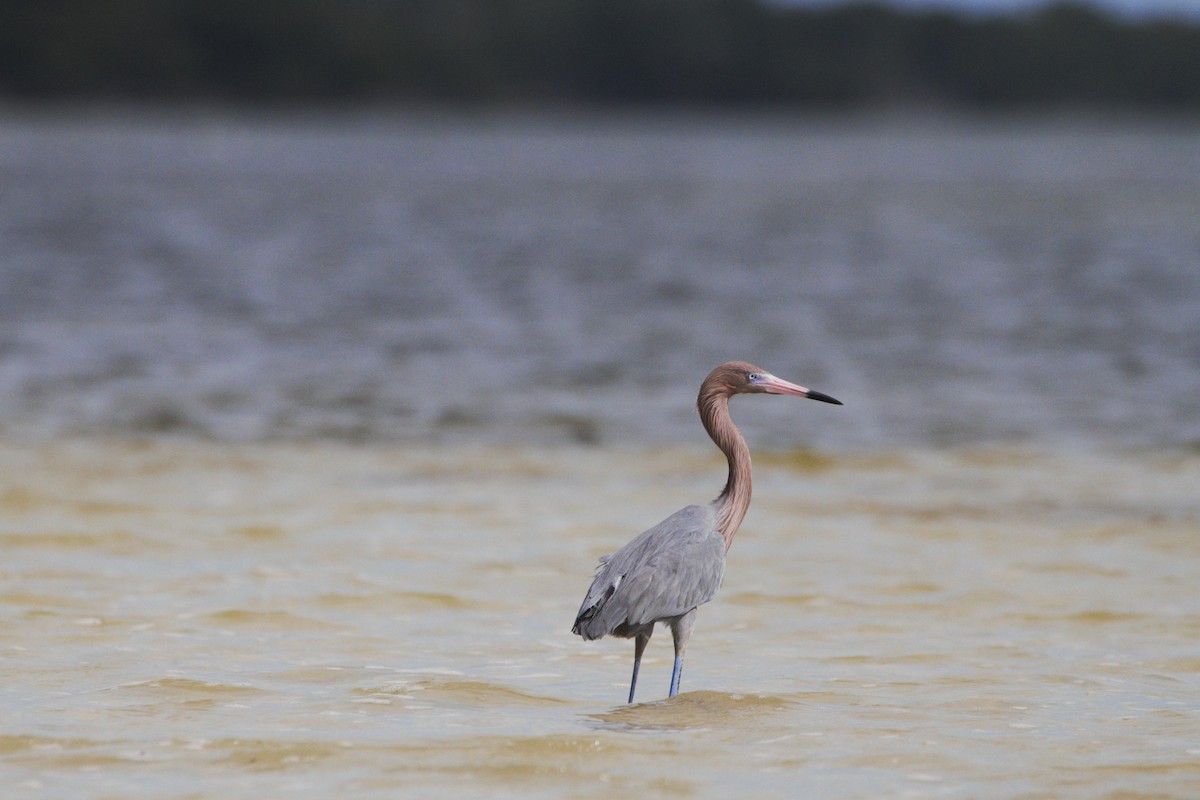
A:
<point x="664" y="574"/>
<point x="658" y="577"/>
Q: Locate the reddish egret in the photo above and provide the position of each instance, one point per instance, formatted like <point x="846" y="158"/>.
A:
<point x="664" y="574"/>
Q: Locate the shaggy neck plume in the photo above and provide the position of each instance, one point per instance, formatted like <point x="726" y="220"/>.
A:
<point x="734" y="499"/>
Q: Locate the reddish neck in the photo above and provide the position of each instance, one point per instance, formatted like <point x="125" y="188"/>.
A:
<point x="735" y="497"/>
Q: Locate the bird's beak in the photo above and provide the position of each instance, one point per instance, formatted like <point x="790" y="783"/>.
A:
<point x="772" y="385"/>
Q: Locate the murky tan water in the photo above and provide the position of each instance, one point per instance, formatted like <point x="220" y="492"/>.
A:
<point x="191" y="620"/>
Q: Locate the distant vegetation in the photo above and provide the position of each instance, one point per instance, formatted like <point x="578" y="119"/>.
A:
<point x="721" y="52"/>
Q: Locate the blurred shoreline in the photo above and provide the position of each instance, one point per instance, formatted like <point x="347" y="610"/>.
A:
<point x="734" y="53"/>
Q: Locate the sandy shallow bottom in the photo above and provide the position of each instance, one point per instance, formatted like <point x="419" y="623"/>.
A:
<point x="199" y="620"/>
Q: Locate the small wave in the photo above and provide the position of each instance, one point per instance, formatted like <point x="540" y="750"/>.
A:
<point x="267" y="755"/>
<point x="762" y="599"/>
<point x="691" y="710"/>
<point x="409" y="601"/>
<point x="801" y="459"/>
<point x="190" y="686"/>
<point x="466" y="692"/>
<point x="11" y="744"/>
<point x="76" y="540"/>
<point x="1103" y="616"/>
<point x="266" y="619"/>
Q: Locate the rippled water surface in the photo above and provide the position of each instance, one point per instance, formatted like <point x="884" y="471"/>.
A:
<point x="316" y="620"/>
<point x="312" y="429"/>
<point x="571" y="279"/>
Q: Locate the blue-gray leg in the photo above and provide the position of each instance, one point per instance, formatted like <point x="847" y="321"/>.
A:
<point x="681" y="631"/>
<point x="639" y="646"/>
<point x="675" y="673"/>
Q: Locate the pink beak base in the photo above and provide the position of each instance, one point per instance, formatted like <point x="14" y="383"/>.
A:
<point x="773" y="385"/>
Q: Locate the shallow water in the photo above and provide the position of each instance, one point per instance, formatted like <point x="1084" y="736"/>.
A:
<point x="979" y="583"/>
<point x="313" y="620"/>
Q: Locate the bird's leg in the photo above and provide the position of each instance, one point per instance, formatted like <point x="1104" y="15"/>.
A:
<point x="639" y="646"/>
<point x="681" y="631"/>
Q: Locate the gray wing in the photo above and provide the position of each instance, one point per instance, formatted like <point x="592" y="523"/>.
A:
<point x="666" y="571"/>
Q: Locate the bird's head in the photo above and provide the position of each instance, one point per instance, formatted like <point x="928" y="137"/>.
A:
<point x="741" y="377"/>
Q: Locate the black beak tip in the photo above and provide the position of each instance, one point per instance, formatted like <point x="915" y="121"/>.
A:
<point x="824" y="398"/>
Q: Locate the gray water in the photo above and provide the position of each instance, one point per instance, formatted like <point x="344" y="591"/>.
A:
<point x="570" y="279"/>
<point x="313" y="429"/>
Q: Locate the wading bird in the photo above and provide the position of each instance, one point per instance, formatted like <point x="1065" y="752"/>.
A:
<point x="664" y="574"/>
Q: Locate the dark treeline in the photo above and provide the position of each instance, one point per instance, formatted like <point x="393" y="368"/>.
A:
<point x="588" y="51"/>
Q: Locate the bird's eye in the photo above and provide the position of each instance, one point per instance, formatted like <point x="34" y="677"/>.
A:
<point x="752" y="376"/>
